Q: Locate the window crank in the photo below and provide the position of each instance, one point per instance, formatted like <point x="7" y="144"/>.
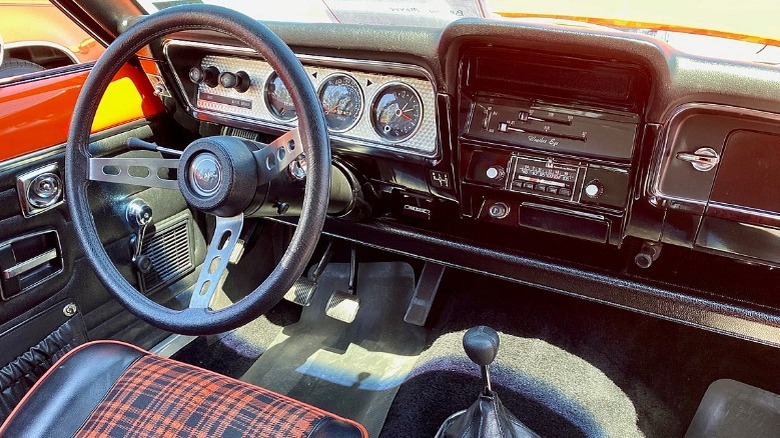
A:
<point x="139" y="216"/>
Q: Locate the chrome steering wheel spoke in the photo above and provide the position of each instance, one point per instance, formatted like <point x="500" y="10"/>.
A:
<point x="276" y="157"/>
<point x="223" y="243"/>
<point x="144" y="172"/>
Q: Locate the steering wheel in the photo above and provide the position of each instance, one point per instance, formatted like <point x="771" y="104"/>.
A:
<point x="217" y="175"/>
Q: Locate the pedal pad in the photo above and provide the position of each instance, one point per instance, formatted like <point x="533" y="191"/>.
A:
<point x="301" y="291"/>
<point x="343" y="306"/>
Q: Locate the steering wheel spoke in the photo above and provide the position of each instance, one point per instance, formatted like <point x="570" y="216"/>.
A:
<point x="147" y="172"/>
<point x="223" y="243"/>
<point x="275" y="157"/>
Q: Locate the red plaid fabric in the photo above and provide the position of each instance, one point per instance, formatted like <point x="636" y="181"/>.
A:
<point x="163" y="398"/>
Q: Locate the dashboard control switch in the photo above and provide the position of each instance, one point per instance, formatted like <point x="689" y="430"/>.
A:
<point x="495" y="173"/>
<point x="594" y="189"/>
<point x="647" y="255"/>
<point x="499" y="210"/>
<point x="208" y="76"/>
<point x="240" y="81"/>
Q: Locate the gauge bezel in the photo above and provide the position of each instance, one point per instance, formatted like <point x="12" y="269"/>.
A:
<point x="377" y="95"/>
<point x="359" y="116"/>
<point x="268" y="106"/>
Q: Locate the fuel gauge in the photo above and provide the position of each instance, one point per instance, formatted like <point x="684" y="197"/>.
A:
<point x="278" y="99"/>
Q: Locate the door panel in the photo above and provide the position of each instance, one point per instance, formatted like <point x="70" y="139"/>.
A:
<point x="38" y="325"/>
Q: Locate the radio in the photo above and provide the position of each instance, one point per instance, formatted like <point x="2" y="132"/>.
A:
<point x="541" y="177"/>
<point x="570" y="181"/>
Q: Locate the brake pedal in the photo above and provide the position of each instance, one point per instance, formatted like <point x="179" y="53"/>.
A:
<point x="344" y="306"/>
<point x="303" y="289"/>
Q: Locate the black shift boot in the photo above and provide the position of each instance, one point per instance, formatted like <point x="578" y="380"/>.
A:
<point x="487" y="417"/>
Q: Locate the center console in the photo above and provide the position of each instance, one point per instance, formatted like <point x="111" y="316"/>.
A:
<point x="554" y="153"/>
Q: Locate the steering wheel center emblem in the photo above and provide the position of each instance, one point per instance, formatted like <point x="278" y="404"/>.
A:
<point x="205" y="174"/>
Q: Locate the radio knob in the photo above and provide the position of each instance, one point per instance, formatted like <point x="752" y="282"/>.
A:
<point x="499" y="210"/>
<point x="594" y="189"/>
<point x="495" y="172"/>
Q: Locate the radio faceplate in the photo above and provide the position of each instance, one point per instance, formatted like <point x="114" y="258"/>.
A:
<point x="542" y="177"/>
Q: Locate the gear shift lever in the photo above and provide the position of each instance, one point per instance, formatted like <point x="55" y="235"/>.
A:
<point x="487" y="417"/>
<point x="481" y="345"/>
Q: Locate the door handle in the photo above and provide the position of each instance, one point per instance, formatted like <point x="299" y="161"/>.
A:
<point x="27" y="265"/>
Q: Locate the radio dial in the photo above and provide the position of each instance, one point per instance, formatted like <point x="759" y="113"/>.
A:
<point x="495" y="172"/>
<point x="594" y="189"/>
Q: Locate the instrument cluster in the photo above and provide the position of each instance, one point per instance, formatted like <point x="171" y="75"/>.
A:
<point x="371" y="109"/>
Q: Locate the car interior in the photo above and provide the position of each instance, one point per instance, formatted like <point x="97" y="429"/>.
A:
<point x="487" y="228"/>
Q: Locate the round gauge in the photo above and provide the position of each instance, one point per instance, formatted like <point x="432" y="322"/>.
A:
<point x="342" y="101"/>
<point x="278" y="99"/>
<point x="396" y="112"/>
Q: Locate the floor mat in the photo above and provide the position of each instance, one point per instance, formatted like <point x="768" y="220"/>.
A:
<point x="733" y="409"/>
<point x="353" y="370"/>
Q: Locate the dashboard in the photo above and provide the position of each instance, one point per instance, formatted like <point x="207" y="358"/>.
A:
<point x="521" y="150"/>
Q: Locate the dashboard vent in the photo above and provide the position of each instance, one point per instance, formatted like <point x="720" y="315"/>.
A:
<point x="171" y="253"/>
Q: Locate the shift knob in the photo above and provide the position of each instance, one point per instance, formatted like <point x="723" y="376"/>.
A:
<point x="481" y="345"/>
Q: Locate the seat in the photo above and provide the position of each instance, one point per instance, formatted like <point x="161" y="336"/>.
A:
<point x="107" y="388"/>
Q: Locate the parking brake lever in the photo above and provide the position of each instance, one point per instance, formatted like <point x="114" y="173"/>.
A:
<point x="139" y="216"/>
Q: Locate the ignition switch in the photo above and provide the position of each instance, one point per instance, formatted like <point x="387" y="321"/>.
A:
<point x="139" y="216"/>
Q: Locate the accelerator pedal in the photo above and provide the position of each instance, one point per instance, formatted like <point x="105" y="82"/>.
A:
<point x="344" y="306"/>
<point x="303" y="289"/>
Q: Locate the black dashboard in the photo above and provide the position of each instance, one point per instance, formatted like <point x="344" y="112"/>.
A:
<point x="524" y="150"/>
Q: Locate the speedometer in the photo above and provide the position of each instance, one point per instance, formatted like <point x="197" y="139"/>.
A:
<point x="396" y="112"/>
<point x="342" y="101"/>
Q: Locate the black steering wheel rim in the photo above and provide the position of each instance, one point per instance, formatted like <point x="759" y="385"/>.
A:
<point x="312" y="129"/>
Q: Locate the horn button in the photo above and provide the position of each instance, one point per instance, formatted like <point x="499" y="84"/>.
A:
<point x="218" y="175"/>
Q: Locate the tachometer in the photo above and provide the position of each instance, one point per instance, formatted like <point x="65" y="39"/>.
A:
<point x="396" y="112"/>
<point x="342" y="100"/>
<point x="278" y="99"/>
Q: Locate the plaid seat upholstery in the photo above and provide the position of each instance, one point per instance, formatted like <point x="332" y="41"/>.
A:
<point x="157" y="397"/>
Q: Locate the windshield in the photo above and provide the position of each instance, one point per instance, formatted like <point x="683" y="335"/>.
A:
<point x="745" y="30"/>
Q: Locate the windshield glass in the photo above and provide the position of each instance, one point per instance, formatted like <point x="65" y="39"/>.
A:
<point x="745" y="30"/>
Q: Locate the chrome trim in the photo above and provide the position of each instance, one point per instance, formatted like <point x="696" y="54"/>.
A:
<point x="58" y="248"/>
<point x="226" y="234"/>
<point x="21" y="268"/>
<point x="663" y="149"/>
<point x="322" y="86"/>
<point x="772" y="216"/>
<point x="702" y="159"/>
<point x="24" y="182"/>
<point x="60" y="47"/>
<point x="153" y="165"/>
<point x="391" y="67"/>
<point x="379" y="92"/>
